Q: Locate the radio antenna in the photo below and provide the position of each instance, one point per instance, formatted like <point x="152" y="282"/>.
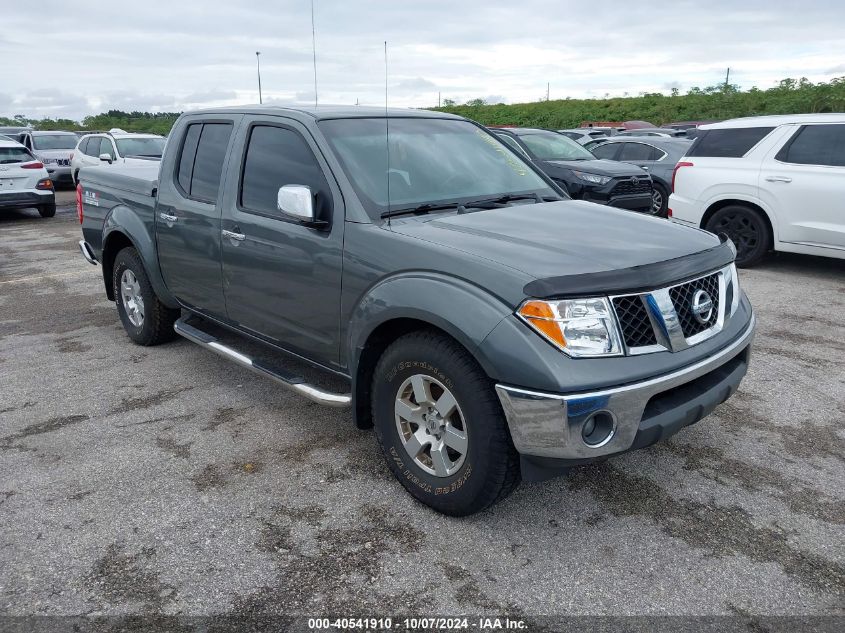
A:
<point x="314" y="51"/>
<point x="386" y="131"/>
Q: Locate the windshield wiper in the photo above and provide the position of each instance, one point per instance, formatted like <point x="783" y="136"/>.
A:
<point x="420" y="209"/>
<point x="492" y="203"/>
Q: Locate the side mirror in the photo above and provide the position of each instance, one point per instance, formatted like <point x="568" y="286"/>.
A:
<point x="296" y="201"/>
<point x="106" y="157"/>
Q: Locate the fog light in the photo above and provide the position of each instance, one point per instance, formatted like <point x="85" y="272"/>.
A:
<point x="598" y="429"/>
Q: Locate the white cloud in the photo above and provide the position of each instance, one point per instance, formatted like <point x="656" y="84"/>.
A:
<point x="164" y="55"/>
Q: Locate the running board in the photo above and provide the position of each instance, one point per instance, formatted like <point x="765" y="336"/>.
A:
<point x="292" y="382"/>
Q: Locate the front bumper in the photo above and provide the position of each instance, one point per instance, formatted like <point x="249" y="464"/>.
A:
<point x="550" y="425"/>
<point x="59" y="173"/>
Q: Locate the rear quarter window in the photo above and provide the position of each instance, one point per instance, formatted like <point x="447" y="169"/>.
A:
<point x="728" y="143"/>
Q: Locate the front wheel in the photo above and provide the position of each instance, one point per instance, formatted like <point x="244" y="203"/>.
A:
<point x="146" y="320"/>
<point x="747" y="230"/>
<point x="441" y="426"/>
<point x="659" y="201"/>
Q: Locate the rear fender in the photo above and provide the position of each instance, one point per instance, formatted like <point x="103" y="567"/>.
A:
<point x="123" y="221"/>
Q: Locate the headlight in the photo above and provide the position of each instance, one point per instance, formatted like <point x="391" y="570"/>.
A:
<point x="578" y="327"/>
<point x="593" y="178"/>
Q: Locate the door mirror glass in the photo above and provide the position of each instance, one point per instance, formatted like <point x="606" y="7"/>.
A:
<point x="296" y="201"/>
<point x="105" y="157"/>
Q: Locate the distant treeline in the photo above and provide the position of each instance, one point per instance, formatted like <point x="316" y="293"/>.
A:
<point x="789" y="96"/>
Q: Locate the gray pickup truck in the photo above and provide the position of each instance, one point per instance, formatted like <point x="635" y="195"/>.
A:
<point x="487" y="326"/>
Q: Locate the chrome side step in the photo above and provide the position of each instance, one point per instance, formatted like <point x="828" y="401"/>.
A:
<point x="292" y="382"/>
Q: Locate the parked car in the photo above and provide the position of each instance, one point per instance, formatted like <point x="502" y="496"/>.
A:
<point x="658" y="156"/>
<point x="654" y="131"/>
<point x="24" y="182"/>
<point x="771" y="182"/>
<point x="15" y="132"/>
<point x="489" y="328"/>
<point x="579" y="172"/>
<point x="584" y="135"/>
<point x="54" y="150"/>
<point x="115" y="146"/>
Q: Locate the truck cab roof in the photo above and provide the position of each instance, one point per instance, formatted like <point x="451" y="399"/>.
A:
<point x="329" y="112"/>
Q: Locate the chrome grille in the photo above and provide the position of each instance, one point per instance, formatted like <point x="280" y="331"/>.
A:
<point x="682" y="297"/>
<point x="664" y="319"/>
<point x="633" y="319"/>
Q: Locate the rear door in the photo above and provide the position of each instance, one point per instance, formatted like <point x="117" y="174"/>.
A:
<point x="803" y="181"/>
<point x="282" y="278"/>
<point x="607" y="151"/>
<point x="639" y="154"/>
<point x="188" y="212"/>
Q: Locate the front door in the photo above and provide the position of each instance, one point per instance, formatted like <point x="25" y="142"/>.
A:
<point x="281" y="278"/>
<point x="804" y="183"/>
<point x="188" y="213"/>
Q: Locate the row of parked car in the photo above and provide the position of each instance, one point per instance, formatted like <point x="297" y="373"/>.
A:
<point x="63" y="154"/>
<point x="768" y="183"/>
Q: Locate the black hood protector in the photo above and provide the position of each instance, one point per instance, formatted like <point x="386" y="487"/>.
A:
<point x="636" y="278"/>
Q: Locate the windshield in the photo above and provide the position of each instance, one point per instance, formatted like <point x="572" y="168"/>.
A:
<point x="14" y="155"/>
<point x="431" y="161"/>
<point x="552" y="146"/>
<point x="54" y="141"/>
<point x="140" y="147"/>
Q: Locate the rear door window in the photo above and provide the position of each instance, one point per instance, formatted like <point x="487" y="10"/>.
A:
<point x="606" y="150"/>
<point x="816" y="145"/>
<point x="201" y="161"/>
<point x="636" y="152"/>
<point x="728" y="143"/>
<point x="275" y="157"/>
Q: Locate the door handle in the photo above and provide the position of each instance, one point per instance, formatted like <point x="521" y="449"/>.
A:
<point x="233" y="236"/>
<point x="778" y="179"/>
<point x="168" y="217"/>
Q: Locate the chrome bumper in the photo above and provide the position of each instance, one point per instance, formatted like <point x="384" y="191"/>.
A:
<point x="550" y="425"/>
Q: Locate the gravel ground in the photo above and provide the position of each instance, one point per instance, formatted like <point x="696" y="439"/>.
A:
<point x="168" y="481"/>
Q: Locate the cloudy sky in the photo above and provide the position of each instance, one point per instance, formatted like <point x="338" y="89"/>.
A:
<point x="70" y="59"/>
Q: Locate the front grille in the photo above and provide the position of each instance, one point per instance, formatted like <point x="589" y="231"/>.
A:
<point x="627" y="187"/>
<point x="633" y="319"/>
<point x="682" y="297"/>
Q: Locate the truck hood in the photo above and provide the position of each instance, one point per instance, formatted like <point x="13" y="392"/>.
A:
<point x="599" y="167"/>
<point x="565" y="238"/>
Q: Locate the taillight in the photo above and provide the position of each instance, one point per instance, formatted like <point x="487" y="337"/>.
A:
<point x="675" y="172"/>
<point x="79" y="202"/>
<point x="45" y="184"/>
<point x="35" y="165"/>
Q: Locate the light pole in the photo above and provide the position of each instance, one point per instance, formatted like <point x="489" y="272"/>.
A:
<point x="258" y="62"/>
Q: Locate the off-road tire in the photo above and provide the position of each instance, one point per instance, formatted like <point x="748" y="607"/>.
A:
<point x="157" y="326"/>
<point x="490" y="470"/>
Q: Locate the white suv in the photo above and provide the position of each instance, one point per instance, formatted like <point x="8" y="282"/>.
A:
<point x="24" y="181"/>
<point x="115" y="146"/>
<point x="770" y="182"/>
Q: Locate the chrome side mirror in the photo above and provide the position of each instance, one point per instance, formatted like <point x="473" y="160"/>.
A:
<point x="296" y="201"/>
<point x="106" y="158"/>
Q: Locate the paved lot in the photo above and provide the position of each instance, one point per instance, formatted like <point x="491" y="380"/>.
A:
<point x="166" y="480"/>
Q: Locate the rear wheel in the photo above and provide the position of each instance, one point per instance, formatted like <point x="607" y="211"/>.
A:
<point x="47" y="210"/>
<point x="441" y="426"/>
<point x="146" y="320"/>
<point x="747" y="229"/>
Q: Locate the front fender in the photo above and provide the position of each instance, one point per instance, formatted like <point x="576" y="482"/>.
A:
<point x="122" y="220"/>
<point x="465" y="311"/>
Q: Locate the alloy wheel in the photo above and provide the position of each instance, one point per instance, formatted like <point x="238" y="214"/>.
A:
<point x="431" y="425"/>
<point x="133" y="301"/>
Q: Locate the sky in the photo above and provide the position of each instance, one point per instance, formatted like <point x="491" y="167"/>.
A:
<point x="71" y="59"/>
